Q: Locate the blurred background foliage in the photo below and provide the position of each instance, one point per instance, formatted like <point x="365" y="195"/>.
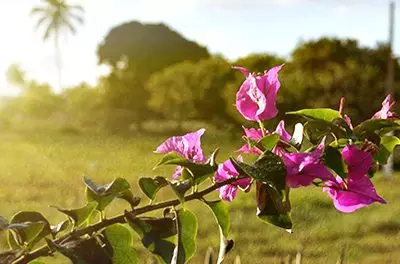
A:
<point x="156" y="75"/>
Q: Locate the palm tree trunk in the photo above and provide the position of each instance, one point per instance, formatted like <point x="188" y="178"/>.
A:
<point x="58" y="59"/>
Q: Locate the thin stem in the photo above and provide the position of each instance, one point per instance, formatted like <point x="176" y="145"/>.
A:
<point x="46" y="251"/>
<point x="261" y="124"/>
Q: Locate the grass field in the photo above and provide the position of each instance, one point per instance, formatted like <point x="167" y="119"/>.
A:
<point x="37" y="170"/>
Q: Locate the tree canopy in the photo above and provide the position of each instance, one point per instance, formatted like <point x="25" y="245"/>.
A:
<point x="147" y="47"/>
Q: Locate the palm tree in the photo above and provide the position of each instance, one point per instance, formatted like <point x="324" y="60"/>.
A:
<point x="57" y="17"/>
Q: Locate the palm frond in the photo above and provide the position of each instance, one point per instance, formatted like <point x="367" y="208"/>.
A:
<point x="40" y="22"/>
<point x="49" y="31"/>
<point x="77" y="17"/>
<point x="39" y="10"/>
<point x="53" y="2"/>
<point x="58" y="15"/>
<point x="71" y="27"/>
<point x="76" y="7"/>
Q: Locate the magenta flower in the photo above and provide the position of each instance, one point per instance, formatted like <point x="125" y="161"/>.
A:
<point x="256" y="135"/>
<point x="226" y="171"/>
<point x="303" y="168"/>
<point x="256" y="98"/>
<point x="385" y="112"/>
<point x="359" y="191"/>
<point x="280" y="130"/>
<point x="188" y="146"/>
<point x="284" y="136"/>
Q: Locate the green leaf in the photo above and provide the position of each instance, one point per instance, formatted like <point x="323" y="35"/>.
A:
<point x="102" y="201"/>
<point x="373" y="125"/>
<point x="181" y="187"/>
<point x="187" y="230"/>
<point x="199" y="171"/>
<point x="213" y="157"/>
<point x="104" y="195"/>
<point x="174" y="159"/>
<point x="26" y="233"/>
<point x="334" y="160"/>
<point x="221" y="214"/>
<point x="82" y="250"/>
<point x="315" y="130"/>
<point x="324" y="114"/>
<point x="272" y="207"/>
<point x="268" y="168"/>
<point x="116" y="187"/>
<point x="150" y="186"/>
<point x="12" y="241"/>
<point x="60" y="227"/>
<point x="120" y="240"/>
<point x="79" y="216"/>
<point x="128" y="196"/>
<point x="267" y="143"/>
<point x="157" y="234"/>
<point x="28" y="228"/>
<point x="388" y="144"/>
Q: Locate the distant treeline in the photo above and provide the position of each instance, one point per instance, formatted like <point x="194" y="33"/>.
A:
<point x="156" y="74"/>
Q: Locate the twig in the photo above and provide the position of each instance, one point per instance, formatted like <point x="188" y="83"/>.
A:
<point x="46" y="251"/>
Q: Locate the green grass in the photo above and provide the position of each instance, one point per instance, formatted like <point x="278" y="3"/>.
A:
<point x="37" y="170"/>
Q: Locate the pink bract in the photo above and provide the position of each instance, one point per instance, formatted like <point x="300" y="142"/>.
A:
<point x="359" y="190"/>
<point x="303" y="168"/>
<point x="188" y="146"/>
<point x="226" y="171"/>
<point x="256" y="98"/>
<point x="385" y="112"/>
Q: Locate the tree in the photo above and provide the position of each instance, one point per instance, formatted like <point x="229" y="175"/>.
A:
<point x="57" y="17"/>
<point x="323" y="70"/>
<point x="83" y="106"/>
<point x="16" y="76"/>
<point x="190" y="90"/>
<point x="147" y="48"/>
<point x="125" y="99"/>
<point x="135" y="51"/>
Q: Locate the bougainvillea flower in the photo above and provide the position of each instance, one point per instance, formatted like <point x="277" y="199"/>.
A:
<point x="226" y="171"/>
<point x="280" y="130"/>
<point x="359" y="191"/>
<point x="358" y="161"/>
<point x="188" y="146"/>
<point x="256" y="134"/>
<point x="256" y="98"/>
<point x="303" y="168"/>
<point x="284" y="136"/>
<point x="385" y="112"/>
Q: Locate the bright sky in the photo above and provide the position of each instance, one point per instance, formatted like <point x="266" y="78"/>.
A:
<point x="233" y="28"/>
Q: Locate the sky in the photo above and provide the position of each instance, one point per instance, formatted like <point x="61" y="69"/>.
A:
<point x="233" y="28"/>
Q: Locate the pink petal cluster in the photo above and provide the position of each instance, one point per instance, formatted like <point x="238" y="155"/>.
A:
<point x="188" y="146"/>
<point x="226" y="171"/>
<point x="359" y="191"/>
<point x="256" y="135"/>
<point x="303" y="168"/>
<point x="385" y="112"/>
<point x="256" y="98"/>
